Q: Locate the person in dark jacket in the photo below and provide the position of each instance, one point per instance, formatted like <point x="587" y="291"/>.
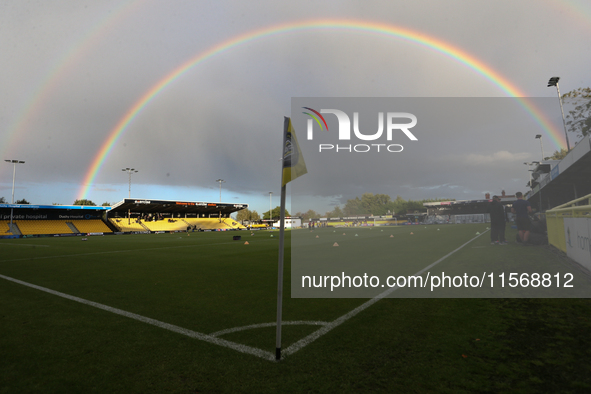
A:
<point x="522" y="210"/>
<point x="497" y="221"/>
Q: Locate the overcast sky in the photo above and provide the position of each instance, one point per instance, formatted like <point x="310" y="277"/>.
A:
<point x="71" y="70"/>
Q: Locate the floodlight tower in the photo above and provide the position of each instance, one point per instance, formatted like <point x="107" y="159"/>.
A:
<point x="539" y="136"/>
<point x="220" y="181"/>
<point x="270" y="205"/>
<point x="129" y="171"/>
<point x="14" y="163"/>
<point x="554" y="82"/>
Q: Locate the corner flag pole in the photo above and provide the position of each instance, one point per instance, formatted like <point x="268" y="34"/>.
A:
<point x="280" y="276"/>
<point x="292" y="166"/>
<point x="281" y="252"/>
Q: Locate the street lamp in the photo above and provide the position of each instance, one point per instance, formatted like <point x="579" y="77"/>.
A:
<point x="541" y="145"/>
<point x="220" y="181"/>
<point x="14" y="163"/>
<point x="129" y="171"/>
<point x="554" y="82"/>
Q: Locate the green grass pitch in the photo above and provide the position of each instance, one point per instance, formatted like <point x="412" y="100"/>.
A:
<point x="207" y="283"/>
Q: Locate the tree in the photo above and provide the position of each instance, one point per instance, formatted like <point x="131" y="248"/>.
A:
<point x="84" y="202"/>
<point x="242" y="215"/>
<point x="275" y="213"/>
<point x="107" y="204"/>
<point x="578" y="119"/>
<point x="335" y="213"/>
<point x="22" y="201"/>
<point x="353" y="207"/>
<point x="310" y="214"/>
<point x="558" y="155"/>
<point x="415" y="206"/>
<point x="369" y="204"/>
<point x="254" y="216"/>
<point x="246" y="214"/>
<point x="2" y="200"/>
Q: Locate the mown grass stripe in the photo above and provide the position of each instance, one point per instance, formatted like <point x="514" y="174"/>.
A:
<point x="110" y="252"/>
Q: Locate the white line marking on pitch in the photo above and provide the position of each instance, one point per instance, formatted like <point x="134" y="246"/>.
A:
<point x="19" y="244"/>
<point x="317" y="334"/>
<point x="213" y="338"/>
<point x="263" y="325"/>
<point x="113" y="252"/>
<point x="193" y="334"/>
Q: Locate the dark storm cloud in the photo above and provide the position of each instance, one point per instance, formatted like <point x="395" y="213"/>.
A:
<point x="72" y="70"/>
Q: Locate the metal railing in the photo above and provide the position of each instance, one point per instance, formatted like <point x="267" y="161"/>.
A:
<point x="555" y="219"/>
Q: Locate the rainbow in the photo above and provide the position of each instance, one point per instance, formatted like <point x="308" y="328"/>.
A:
<point x="61" y="67"/>
<point x="404" y="34"/>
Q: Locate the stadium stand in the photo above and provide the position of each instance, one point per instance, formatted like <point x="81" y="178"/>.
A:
<point x="165" y="225"/>
<point x="40" y="220"/>
<point x="123" y="225"/>
<point x="233" y="224"/>
<point x="349" y="223"/>
<point x="5" y="228"/>
<point x="34" y="227"/>
<point x="213" y="224"/>
<point x="91" y="226"/>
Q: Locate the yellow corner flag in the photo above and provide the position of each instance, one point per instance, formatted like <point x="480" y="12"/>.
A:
<point x="293" y="161"/>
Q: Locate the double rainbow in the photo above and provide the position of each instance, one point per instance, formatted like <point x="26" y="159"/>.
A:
<point x="404" y="34"/>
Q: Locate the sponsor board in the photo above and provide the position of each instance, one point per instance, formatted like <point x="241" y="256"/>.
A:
<point x="577" y="233"/>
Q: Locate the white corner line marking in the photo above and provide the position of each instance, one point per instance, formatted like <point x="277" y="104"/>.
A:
<point x="213" y="338"/>
<point x="193" y="334"/>
<point x="263" y="325"/>
<point x="335" y="323"/>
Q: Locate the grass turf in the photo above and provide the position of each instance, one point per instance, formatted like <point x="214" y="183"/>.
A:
<point x="206" y="282"/>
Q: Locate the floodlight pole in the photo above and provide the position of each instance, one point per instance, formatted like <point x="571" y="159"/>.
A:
<point x="270" y="205"/>
<point x="539" y="136"/>
<point x="14" y="163"/>
<point x="220" y="214"/>
<point x="220" y="181"/>
<point x="554" y="82"/>
<point x="129" y="171"/>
